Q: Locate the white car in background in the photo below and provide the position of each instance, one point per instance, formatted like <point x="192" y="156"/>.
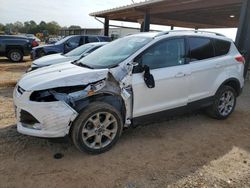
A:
<point x="73" y="55"/>
<point x="135" y="79"/>
<point x="33" y="36"/>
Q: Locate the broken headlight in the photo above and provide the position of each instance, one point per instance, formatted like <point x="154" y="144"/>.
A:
<point x="56" y="94"/>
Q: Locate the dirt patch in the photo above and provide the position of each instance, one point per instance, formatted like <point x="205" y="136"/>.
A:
<point x="188" y="151"/>
<point x="11" y="72"/>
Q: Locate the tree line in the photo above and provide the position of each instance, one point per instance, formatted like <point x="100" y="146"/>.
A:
<point x="31" y="27"/>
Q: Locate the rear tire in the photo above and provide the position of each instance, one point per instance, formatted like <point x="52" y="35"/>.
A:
<point x="97" y="128"/>
<point x="224" y="103"/>
<point x="15" y="55"/>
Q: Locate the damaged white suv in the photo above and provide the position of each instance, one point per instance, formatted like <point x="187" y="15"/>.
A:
<point x="131" y="80"/>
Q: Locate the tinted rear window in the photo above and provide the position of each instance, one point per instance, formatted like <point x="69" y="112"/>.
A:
<point x="105" y="39"/>
<point x="222" y="47"/>
<point x="92" y="39"/>
<point x="200" y="48"/>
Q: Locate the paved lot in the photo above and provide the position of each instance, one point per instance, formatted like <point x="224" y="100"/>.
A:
<point x="187" y="151"/>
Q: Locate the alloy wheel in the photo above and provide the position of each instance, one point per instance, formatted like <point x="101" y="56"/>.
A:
<point x="99" y="130"/>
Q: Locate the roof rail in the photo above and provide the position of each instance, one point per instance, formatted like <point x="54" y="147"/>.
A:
<point x="194" y="31"/>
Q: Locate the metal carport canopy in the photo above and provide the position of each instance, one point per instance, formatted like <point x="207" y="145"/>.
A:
<point x="179" y="13"/>
<point x="188" y="13"/>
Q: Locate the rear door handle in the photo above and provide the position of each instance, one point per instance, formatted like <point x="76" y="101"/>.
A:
<point x="179" y="74"/>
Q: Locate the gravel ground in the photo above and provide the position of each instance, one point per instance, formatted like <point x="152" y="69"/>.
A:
<point x="188" y="151"/>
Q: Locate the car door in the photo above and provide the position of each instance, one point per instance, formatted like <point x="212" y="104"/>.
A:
<point x="166" y="60"/>
<point x="205" y="68"/>
<point x="71" y="43"/>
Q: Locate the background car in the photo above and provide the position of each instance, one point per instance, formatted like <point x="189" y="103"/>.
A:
<point x="66" y="45"/>
<point x="33" y="36"/>
<point x="52" y="40"/>
<point x="73" y="55"/>
<point x="15" y="47"/>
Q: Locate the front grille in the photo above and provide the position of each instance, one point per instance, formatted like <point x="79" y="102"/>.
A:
<point x="20" y="90"/>
<point x="27" y="118"/>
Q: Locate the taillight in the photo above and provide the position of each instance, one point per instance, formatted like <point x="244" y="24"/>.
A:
<point x="34" y="43"/>
<point x="240" y="59"/>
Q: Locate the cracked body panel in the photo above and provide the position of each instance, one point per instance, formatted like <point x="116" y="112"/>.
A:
<point x="105" y="75"/>
<point x="53" y="118"/>
<point x="54" y="115"/>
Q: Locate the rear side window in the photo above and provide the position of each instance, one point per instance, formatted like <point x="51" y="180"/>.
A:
<point x="200" y="48"/>
<point x="222" y="47"/>
<point x="92" y="39"/>
<point x="105" y="39"/>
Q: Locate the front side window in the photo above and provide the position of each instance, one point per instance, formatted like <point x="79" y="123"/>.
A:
<point x="73" y="42"/>
<point x="165" y="53"/>
<point x="200" y="48"/>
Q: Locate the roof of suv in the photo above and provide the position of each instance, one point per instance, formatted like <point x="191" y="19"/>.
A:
<point x="184" y="32"/>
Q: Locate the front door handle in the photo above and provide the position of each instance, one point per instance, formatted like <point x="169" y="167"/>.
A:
<point x="179" y="75"/>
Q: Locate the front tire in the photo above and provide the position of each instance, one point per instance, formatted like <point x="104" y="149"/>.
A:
<point x="15" y="55"/>
<point x="97" y="128"/>
<point x="224" y="103"/>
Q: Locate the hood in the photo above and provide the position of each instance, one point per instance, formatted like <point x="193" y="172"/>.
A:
<point x="44" y="46"/>
<point x="60" y="75"/>
<point x="49" y="47"/>
<point x="52" y="59"/>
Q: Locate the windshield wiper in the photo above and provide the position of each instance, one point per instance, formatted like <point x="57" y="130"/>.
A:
<point x="76" y="62"/>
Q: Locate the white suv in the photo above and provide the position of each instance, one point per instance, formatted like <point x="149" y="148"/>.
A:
<point x="138" y="78"/>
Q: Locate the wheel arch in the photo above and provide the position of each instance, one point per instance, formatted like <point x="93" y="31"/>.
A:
<point x="109" y="98"/>
<point x="232" y="82"/>
<point x="13" y="47"/>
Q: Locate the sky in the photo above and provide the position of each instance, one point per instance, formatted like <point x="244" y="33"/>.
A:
<point x="70" y="12"/>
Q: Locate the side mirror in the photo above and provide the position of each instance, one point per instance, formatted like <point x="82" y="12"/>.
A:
<point x="137" y="68"/>
<point x="148" y="78"/>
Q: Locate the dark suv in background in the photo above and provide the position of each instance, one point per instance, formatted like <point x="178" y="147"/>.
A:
<point x="66" y="44"/>
<point x="15" y="47"/>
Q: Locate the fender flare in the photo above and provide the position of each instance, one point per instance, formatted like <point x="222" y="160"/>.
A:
<point x="110" y="98"/>
<point x="234" y="83"/>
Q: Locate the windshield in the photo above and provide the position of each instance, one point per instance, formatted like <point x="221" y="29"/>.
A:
<point x="115" y="52"/>
<point x="63" y="40"/>
<point x="80" y="50"/>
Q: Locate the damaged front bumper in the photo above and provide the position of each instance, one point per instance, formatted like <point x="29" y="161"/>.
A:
<point x="42" y="119"/>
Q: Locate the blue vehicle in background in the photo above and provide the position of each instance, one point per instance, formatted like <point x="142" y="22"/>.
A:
<point x="66" y="44"/>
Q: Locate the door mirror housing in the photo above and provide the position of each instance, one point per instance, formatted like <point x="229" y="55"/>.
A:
<point x="148" y="77"/>
<point x="138" y="68"/>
